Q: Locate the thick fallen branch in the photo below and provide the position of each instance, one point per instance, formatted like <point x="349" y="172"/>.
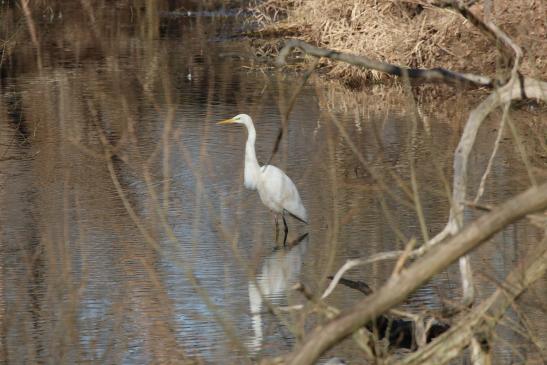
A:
<point x="429" y="75"/>
<point x="438" y="258"/>
<point x="483" y="318"/>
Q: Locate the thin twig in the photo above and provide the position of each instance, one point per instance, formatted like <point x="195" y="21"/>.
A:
<point x="350" y="264"/>
<point x="32" y="31"/>
<point x="480" y="191"/>
<point x="522" y="152"/>
<point x="285" y="115"/>
<point x="483" y="207"/>
<point x="487" y="28"/>
<point x="404" y="257"/>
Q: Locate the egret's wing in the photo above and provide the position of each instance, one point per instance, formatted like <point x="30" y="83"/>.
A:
<point x="280" y="189"/>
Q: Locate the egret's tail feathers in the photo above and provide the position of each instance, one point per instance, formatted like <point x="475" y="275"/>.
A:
<point x="305" y="221"/>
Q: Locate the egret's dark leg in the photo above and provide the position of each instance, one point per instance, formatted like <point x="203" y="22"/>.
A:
<point x="286" y="229"/>
<point x="276" y="227"/>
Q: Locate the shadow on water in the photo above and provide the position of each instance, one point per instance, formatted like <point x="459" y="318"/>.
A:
<point x="127" y="235"/>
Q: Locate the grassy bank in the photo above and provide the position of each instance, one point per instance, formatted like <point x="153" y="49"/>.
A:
<point x="411" y="33"/>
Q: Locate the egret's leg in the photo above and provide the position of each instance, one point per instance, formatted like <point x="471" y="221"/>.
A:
<point x="286" y="230"/>
<point x="276" y="227"/>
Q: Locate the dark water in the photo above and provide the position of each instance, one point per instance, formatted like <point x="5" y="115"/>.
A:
<point x="151" y="255"/>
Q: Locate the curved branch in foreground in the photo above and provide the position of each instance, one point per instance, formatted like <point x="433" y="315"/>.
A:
<point x="429" y="75"/>
<point x="398" y="288"/>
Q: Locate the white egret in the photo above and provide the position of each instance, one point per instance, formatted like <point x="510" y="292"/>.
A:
<point x="276" y="189"/>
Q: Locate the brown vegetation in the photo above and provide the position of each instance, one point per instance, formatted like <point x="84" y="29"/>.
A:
<point x="413" y="33"/>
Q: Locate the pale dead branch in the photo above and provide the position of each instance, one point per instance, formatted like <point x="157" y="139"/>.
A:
<point x="511" y="91"/>
<point x="501" y="128"/>
<point x="350" y="264"/>
<point x="32" y="31"/>
<point x="428" y="75"/>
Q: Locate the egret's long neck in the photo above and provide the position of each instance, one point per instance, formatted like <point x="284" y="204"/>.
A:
<point x="252" y="169"/>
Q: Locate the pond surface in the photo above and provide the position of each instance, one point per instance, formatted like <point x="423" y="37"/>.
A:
<point x="127" y="235"/>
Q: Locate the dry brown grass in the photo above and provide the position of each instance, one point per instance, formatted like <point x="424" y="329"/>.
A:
<point x="411" y="33"/>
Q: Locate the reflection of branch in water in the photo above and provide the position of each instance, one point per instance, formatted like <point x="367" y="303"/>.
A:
<point x="278" y="273"/>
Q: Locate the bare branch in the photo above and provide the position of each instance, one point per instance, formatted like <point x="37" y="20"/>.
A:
<point x="435" y="260"/>
<point x="357" y="262"/>
<point x="287" y="112"/>
<point x="513" y="90"/>
<point x="404" y="257"/>
<point x="482" y="184"/>
<point x="484" y="317"/>
<point x="428" y="75"/>
<point x="32" y="31"/>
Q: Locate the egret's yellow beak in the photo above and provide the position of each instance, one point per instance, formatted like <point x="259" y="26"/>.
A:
<point x="227" y="121"/>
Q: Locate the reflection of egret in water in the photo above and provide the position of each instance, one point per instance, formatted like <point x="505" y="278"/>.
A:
<point x="277" y="274"/>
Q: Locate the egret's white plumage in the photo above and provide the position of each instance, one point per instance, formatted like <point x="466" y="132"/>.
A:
<point x="276" y="189"/>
